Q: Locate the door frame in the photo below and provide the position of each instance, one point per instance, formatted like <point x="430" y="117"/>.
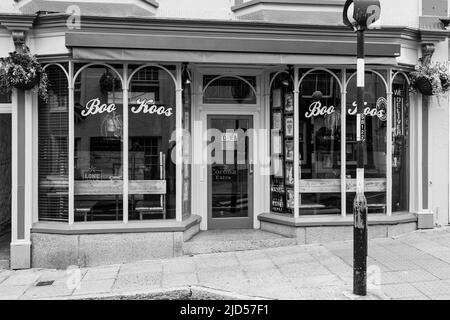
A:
<point x="231" y="222"/>
<point x="200" y="168"/>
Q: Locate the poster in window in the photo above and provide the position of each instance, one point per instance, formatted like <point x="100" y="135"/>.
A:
<point x="276" y="144"/>
<point x="290" y="198"/>
<point x="289" y="127"/>
<point x="289" y="150"/>
<point x="289" y="174"/>
<point x="277" y="121"/>
<point x="276" y="99"/>
<point x="277" y="168"/>
<point x="289" y="103"/>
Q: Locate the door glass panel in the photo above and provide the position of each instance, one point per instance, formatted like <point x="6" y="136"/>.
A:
<point x="229" y="168"/>
<point x="376" y="147"/>
<point x="320" y="144"/>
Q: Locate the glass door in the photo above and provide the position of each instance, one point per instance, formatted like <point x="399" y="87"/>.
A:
<point x="230" y="172"/>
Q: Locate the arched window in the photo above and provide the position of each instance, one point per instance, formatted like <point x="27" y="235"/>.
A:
<point x="229" y="90"/>
<point x="282" y="142"/>
<point x="375" y="101"/>
<point x="53" y="141"/>
<point x="151" y="143"/>
<point x="320" y="142"/>
<point x="98" y="134"/>
<point x="400" y="143"/>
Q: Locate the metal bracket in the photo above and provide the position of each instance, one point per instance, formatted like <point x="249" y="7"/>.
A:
<point x="427" y="53"/>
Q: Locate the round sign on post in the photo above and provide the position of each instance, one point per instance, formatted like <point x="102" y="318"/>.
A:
<point x="360" y="14"/>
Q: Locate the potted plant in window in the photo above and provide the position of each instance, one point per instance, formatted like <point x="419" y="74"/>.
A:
<point x="23" y="71"/>
<point x="430" y="79"/>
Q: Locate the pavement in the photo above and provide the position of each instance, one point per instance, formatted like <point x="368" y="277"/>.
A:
<point x="412" y="266"/>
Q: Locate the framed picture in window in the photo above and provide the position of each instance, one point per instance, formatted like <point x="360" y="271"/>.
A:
<point x="289" y="103"/>
<point x="289" y="150"/>
<point x="276" y="143"/>
<point x="277" y="121"/>
<point x="289" y="174"/>
<point x="289" y="127"/>
<point x="276" y="99"/>
<point x="277" y="168"/>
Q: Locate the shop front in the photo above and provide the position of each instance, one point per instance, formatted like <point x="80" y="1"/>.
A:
<point x="142" y="144"/>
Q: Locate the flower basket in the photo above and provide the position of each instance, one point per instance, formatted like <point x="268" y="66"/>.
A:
<point x="30" y="84"/>
<point x="424" y="86"/>
<point x="23" y="71"/>
<point x="430" y="79"/>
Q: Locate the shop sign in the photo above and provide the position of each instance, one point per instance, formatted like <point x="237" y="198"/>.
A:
<point x="149" y="106"/>
<point x="94" y="106"/>
<point x="317" y="109"/>
<point x="224" y="174"/>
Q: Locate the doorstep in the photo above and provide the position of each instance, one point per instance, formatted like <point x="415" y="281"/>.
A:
<point x="214" y="241"/>
<point x="328" y="228"/>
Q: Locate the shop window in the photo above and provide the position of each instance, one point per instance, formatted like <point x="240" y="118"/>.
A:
<point x="187" y="143"/>
<point x="400" y="144"/>
<point x="98" y="129"/>
<point x="151" y="126"/>
<point x="375" y="100"/>
<point x="229" y="90"/>
<point x="320" y="143"/>
<point x="53" y="132"/>
<point x="282" y="143"/>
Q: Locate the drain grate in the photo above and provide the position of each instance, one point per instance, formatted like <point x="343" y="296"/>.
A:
<point x="44" y="283"/>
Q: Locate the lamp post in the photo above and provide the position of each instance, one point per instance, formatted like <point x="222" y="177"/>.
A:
<point x="359" y="15"/>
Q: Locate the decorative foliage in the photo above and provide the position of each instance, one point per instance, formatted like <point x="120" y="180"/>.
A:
<point x="23" y="71"/>
<point x="109" y="83"/>
<point x="430" y="79"/>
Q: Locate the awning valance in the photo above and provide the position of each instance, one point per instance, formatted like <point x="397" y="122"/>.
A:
<point x="140" y="55"/>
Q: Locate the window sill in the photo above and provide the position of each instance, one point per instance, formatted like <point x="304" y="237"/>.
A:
<point x="336" y="220"/>
<point x="115" y="227"/>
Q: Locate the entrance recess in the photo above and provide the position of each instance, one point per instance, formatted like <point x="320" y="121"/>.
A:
<point x="230" y="172"/>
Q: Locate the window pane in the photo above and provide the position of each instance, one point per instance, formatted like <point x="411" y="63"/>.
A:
<point x="320" y="144"/>
<point x="376" y="147"/>
<point x="151" y="123"/>
<point x="53" y="148"/>
<point x="400" y="145"/>
<point x="187" y="151"/>
<point x="282" y="143"/>
<point x="229" y="90"/>
<point x="98" y="145"/>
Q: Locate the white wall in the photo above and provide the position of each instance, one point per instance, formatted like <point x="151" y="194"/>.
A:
<point x="400" y="13"/>
<point x="201" y="9"/>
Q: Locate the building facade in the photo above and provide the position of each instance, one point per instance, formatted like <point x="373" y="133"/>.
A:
<point x="167" y="117"/>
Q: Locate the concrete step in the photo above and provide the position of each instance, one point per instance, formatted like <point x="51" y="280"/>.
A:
<point x="214" y="241"/>
<point x="4" y="264"/>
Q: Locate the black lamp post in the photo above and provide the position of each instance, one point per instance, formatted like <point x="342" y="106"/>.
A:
<point x="359" y="15"/>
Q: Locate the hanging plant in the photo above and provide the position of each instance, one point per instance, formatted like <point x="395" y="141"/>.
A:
<point x="23" y="71"/>
<point x="430" y="79"/>
<point x="108" y="82"/>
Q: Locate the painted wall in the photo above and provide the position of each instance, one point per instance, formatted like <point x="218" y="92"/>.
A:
<point x="438" y="148"/>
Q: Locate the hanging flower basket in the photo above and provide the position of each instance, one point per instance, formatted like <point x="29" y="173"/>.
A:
<point x="23" y="71"/>
<point x="430" y="80"/>
<point x="424" y="86"/>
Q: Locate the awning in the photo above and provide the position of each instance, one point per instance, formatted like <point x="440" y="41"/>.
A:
<point x="223" y="48"/>
<point x="145" y="55"/>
